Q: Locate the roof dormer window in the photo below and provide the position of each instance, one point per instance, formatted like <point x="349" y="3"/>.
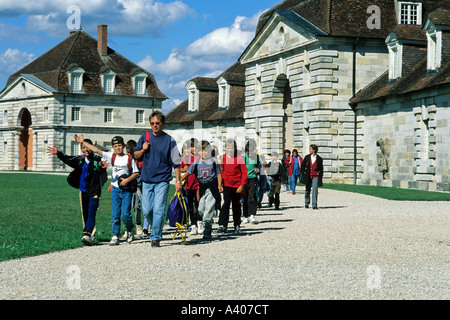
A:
<point x="434" y="46"/>
<point x="75" y="76"/>
<point x="139" y="82"/>
<point x="108" y="79"/>
<point x="395" y="57"/>
<point x="193" y="100"/>
<point x="409" y="13"/>
<point x="224" y="93"/>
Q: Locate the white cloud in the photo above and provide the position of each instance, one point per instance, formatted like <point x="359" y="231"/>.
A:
<point x="12" y="60"/>
<point x="125" y="17"/>
<point x="208" y="56"/>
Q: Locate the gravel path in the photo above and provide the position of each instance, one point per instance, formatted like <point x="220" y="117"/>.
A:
<point x="353" y="247"/>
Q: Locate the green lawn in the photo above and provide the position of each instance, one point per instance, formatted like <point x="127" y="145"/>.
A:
<point x="41" y="213"/>
<point x="391" y="193"/>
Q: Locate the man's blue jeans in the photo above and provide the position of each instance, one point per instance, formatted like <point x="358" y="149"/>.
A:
<point x="154" y="198"/>
<point x="121" y="210"/>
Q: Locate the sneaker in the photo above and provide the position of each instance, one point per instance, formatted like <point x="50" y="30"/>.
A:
<point x="315" y="208"/>
<point x="253" y="219"/>
<point x="87" y="240"/>
<point x="207" y="233"/>
<point x="293" y="192"/>
<point x="124" y="236"/>
<point x="200" y="227"/>
<point x="194" y="230"/>
<point x="139" y="232"/>
<point x="245" y="220"/>
<point x="130" y="236"/>
<point x="114" y="241"/>
<point x="155" y="243"/>
<point x="237" y="229"/>
<point x="221" y="229"/>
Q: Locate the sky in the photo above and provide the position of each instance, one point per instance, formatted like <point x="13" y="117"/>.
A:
<point x="174" y="40"/>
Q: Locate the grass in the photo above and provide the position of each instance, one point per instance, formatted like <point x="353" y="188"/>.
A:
<point x="41" y="213"/>
<point x="391" y="193"/>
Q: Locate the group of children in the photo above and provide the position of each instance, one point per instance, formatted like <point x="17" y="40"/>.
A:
<point x="206" y="176"/>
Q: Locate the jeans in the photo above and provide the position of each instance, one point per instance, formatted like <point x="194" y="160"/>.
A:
<point x="250" y="203"/>
<point x="154" y="198"/>
<point x="89" y="206"/>
<point x="314" y="183"/>
<point x="121" y="210"/>
<point x="230" y="196"/>
<point x="293" y="181"/>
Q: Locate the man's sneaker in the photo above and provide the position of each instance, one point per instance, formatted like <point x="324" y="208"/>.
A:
<point x="221" y="229"/>
<point x="200" y="226"/>
<point x="124" y="236"/>
<point x="130" y="236"/>
<point x="155" y="243"/>
<point x="87" y="240"/>
<point x="194" y="230"/>
<point x="253" y="219"/>
<point x="114" y="241"/>
<point x="139" y="232"/>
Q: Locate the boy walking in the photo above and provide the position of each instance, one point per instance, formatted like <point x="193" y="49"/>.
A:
<point x="275" y="171"/>
<point x="234" y="177"/>
<point x="124" y="172"/>
<point x="207" y="171"/>
<point x="89" y="175"/>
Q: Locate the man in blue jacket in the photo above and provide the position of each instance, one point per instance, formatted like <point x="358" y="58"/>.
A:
<point x="160" y="155"/>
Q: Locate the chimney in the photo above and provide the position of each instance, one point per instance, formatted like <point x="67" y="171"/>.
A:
<point x="102" y="39"/>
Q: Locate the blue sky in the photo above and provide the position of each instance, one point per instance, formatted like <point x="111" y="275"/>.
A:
<point x="174" y="40"/>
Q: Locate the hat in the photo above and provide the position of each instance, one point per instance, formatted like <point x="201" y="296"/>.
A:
<point x="274" y="153"/>
<point x="117" y="140"/>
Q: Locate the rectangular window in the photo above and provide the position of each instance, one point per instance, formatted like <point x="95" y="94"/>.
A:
<point x="108" y="115"/>
<point x="5" y="116"/>
<point x="140" y="86"/>
<point x="45" y="114"/>
<point x="75" y="113"/>
<point x="139" y="116"/>
<point x="410" y="13"/>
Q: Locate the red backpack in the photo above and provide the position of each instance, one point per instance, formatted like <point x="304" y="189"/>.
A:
<point x="147" y="139"/>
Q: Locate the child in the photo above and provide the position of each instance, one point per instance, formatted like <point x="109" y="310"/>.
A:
<point x="253" y="163"/>
<point x="207" y="171"/>
<point x="89" y="176"/>
<point x="294" y="162"/>
<point x="275" y="171"/>
<point x="121" y="165"/>
<point x="234" y="177"/>
<point x="287" y="154"/>
<point x="191" y="186"/>
<point x="136" y="200"/>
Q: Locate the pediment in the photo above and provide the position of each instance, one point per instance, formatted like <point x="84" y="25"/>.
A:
<point x="26" y="86"/>
<point x="286" y="30"/>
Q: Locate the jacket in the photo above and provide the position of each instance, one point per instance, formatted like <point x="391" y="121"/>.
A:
<point x="306" y="169"/>
<point x="96" y="176"/>
<point x="275" y="170"/>
<point x="291" y="165"/>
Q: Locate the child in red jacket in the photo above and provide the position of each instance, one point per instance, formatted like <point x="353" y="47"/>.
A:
<point x="234" y="177"/>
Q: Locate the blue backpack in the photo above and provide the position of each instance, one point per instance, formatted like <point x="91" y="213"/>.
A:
<point x="177" y="212"/>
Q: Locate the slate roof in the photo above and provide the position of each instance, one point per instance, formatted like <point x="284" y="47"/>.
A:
<point x="414" y="69"/>
<point x="209" y="99"/>
<point x="345" y="18"/>
<point x="80" y="50"/>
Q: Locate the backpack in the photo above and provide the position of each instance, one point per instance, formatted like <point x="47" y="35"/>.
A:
<point x="147" y="139"/>
<point x="132" y="186"/>
<point x="177" y="212"/>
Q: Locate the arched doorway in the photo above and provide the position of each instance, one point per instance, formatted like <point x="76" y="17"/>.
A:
<point x="25" y="141"/>
<point x="282" y="91"/>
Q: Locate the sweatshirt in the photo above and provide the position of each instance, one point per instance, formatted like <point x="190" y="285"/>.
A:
<point x="234" y="171"/>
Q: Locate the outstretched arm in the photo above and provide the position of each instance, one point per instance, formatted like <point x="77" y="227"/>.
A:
<point x="80" y="139"/>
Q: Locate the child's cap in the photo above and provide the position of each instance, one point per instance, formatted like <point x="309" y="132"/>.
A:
<point x="117" y="140"/>
<point x="274" y="153"/>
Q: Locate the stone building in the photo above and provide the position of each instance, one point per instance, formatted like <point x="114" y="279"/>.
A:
<point x="307" y="59"/>
<point x="213" y="111"/>
<point x="79" y="86"/>
<point x="404" y="114"/>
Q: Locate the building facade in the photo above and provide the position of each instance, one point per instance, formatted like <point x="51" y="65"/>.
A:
<point x="79" y="86"/>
